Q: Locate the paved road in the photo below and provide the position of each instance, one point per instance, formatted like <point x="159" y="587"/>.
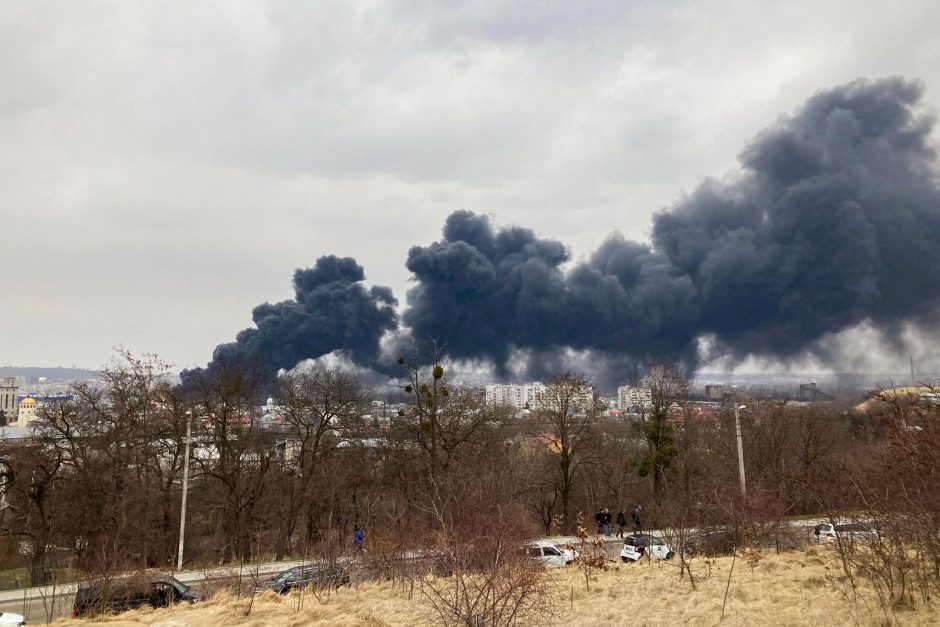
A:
<point x="39" y="605"/>
<point x="42" y="604"/>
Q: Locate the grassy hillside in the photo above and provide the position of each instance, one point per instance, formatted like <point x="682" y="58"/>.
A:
<point x="799" y="588"/>
<point x="904" y="394"/>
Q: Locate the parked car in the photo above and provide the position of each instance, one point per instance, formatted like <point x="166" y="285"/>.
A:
<point x="636" y="546"/>
<point x="9" y="618"/>
<point x="548" y="554"/>
<point x="320" y="576"/>
<point x="828" y="531"/>
<point x="130" y="592"/>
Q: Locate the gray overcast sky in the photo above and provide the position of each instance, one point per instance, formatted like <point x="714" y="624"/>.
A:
<point x="165" y="166"/>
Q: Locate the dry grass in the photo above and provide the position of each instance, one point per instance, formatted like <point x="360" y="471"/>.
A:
<point x="799" y="588"/>
<point x="906" y="395"/>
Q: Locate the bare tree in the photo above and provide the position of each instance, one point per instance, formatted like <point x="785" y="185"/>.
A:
<point x="667" y="387"/>
<point x="893" y="536"/>
<point x="322" y="408"/>
<point x="111" y="437"/>
<point x="428" y="395"/>
<point x="479" y="528"/>
<point x="30" y="476"/>
<point x="564" y="421"/>
<point x="236" y="454"/>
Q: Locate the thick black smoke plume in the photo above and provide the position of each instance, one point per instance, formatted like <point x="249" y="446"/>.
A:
<point x="834" y="220"/>
<point x="331" y="311"/>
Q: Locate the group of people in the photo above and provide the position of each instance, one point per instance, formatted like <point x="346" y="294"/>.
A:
<point x="603" y="519"/>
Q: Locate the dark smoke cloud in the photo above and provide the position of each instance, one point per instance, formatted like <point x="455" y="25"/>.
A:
<point x="482" y="291"/>
<point x="485" y="291"/>
<point x="332" y="311"/>
<point x="833" y="221"/>
<point x="836" y="221"/>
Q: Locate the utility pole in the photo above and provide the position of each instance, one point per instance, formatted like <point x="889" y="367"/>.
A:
<point x="737" y="426"/>
<point x="189" y="421"/>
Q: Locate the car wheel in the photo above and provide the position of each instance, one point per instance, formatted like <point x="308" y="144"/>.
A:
<point x="625" y="560"/>
<point x="669" y="555"/>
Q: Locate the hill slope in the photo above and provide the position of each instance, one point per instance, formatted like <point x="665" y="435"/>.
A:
<point x="798" y="588"/>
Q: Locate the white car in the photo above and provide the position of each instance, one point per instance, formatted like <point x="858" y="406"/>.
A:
<point x="546" y="553"/>
<point x="828" y="531"/>
<point x="636" y="546"/>
<point x="9" y="618"/>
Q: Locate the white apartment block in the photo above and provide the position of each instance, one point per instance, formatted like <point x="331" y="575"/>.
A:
<point x="533" y="395"/>
<point x="519" y="395"/>
<point x="631" y="398"/>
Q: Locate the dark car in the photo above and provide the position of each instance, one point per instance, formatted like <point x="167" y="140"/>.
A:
<point x="319" y="576"/>
<point x="130" y="592"/>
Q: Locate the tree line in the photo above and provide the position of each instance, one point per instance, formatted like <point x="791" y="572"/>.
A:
<point x="98" y="487"/>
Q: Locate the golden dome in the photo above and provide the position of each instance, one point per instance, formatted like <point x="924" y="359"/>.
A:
<point x="28" y="401"/>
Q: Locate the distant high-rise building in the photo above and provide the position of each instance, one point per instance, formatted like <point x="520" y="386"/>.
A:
<point x="808" y="391"/>
<point x="634" y="399"/>
<point x="522" y="396"/>
<point x="714" y="391"/>
<point x="535" y="395"/>
<point x="9" y="391"/>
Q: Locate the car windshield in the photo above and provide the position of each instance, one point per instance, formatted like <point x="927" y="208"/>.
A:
<point x="181" y="587"/>
<point x="287" y="574"/>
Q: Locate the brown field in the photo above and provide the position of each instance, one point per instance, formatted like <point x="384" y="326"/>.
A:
<point x="798" y="588"/>
<point x="904" y="394"/>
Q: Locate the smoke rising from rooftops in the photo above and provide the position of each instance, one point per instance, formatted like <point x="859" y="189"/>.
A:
<point x="833" y="221"/>
<point x="332" y="310"/>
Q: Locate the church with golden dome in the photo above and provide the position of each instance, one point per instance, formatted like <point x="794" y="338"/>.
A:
<point x="27" y="411"/>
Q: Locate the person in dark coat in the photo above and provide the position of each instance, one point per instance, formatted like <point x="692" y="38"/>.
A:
<point x="599" y="519"/>
<point x="637" y="522"/>
<point x="622" y="523"/>
<point x="359" y="539"/>
<point x="606" y="520"/>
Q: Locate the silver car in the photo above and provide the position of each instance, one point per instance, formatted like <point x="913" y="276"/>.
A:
<point x="549" y="554"/>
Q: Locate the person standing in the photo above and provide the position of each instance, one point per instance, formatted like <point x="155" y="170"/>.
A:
<point x="599" y="519"/>
<point x="359" y="539"/>
<point x="637" y="521"/>
<point x="606" y="522"/>
<point x="622" y="523"/>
